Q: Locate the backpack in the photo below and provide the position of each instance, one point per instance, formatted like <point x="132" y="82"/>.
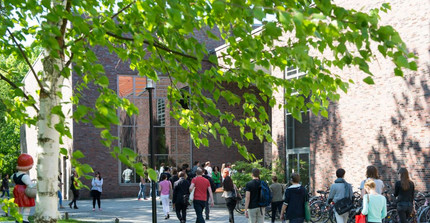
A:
<point x="265" y="195"/>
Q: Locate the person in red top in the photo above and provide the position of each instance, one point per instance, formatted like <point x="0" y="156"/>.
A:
<point x="201" y="187"/>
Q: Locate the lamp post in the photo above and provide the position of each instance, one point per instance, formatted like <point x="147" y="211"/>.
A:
<point x="150" y="87"/>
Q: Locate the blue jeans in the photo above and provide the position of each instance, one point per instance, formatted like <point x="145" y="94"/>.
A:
<point x="157" y="193"/>
<point x="60" y="198"/>
<point x="142" y="191"/>
<point x="6" y="191"/>
<point x="297" y="220"/>
<point x="198" y="207"/>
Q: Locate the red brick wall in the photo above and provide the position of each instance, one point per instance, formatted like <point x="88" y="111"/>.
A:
<point x="386" y="124"/>
<point x="87" y="138"/>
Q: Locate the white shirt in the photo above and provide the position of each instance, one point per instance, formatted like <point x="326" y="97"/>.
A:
<point x="127" y="174"/>
<point x="209" y="169"/>
<point x="97" y="184"/>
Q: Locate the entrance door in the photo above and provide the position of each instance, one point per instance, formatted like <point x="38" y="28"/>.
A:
<point x="298" y="162"/>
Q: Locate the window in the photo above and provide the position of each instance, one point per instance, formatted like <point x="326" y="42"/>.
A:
<point x="172" y="143"/>
<point x="161" y="107"/>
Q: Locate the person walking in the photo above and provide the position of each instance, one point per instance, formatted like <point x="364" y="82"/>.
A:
<point x="228" y="194"/>
<point x="337" y="192"/>
<point x="181" y="195"/>
<point x="142" y="190"/>
<point x="208" y="168"/>
<point x="277" y="192"/>
<point x="213" y="188"/>
<point x="127" y="175"/>
<point x="216" y="177"/>
<point x="165" y="188"/>
<point x="74" y="189"/>
<point x="5" y="186"/>
<point x="374" y="204"/>
<point x="404" y="190"/>
<point x="372" y="173"/>
<point x="201" y="187"/>
<point x="293" y="207"/>
<point x="194" y="169"/>
<point x="174" y="177"/>
<point x="253" y="211"/>
<point x="96" y="190"/>
<point x="59" y="194"/>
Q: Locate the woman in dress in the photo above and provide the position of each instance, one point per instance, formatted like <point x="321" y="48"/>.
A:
<point x="165" y="188"/>
<point x="404" y="190"/>
<point x="374" y="204"/>
<point x="22" y="181"/>
<point x="96" y="190"/>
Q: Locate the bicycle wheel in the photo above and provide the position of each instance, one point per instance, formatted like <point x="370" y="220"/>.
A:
<point x="318" y="211"/>
<point x="424" y="215"/>
<point x="240" y="206"/>
<point x="392" y="217"/>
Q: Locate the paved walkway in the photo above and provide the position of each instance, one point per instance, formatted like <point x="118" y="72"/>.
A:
<point x="133" y="211"/>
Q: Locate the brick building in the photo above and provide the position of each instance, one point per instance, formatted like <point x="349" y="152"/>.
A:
<point x="386" y="124"/>
<point x="174" y="146"/>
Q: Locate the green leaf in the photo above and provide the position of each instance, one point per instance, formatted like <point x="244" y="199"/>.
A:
<point x="78" y="154"/>
<point x="369" y="80"/>
<point x="152" y="174"/>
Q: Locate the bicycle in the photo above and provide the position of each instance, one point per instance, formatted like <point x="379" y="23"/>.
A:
<point x="240" y="205"/>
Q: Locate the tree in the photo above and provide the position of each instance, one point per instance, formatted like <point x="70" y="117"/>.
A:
<point x="156" y="36"/>
<point x="15" y="70"/>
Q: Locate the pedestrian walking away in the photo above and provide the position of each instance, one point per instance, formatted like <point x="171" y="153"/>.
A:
<point x="338" y="190"/>
<point x="372" y="173"/>
<point x="213" y="188"/>
<point x="5" y="186"/>
<point x="229" y="195"/>
<point x="165" y="188"/>
<point x="181" y="196"/>
<point x="96" y="190"/>
<point x="374" y="204"/>
<point x="277" y="192"/>
<point x="142" y="185"/>
<point x="74" y="188"/>
<point x="253" y="211"/>
<point x="293" y="207"/>
<point x="59" y="194"/>
<point x="201" y="188"/>
<point x="404" y="190"/>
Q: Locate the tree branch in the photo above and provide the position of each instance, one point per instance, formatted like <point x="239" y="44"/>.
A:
<point x="123" y="9"/>
<point x="2" y="77"/>
<point x="26" y="59"/>
<point x="159" y="46"/>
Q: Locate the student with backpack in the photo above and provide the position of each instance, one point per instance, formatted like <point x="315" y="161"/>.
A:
<point x="293" y="208"/>
<point x="257" y="197"/>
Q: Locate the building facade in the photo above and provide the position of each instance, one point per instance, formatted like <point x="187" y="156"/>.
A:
<point x="386" y="124"/>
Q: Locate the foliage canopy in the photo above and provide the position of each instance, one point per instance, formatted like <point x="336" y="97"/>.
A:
<point x="156" y="37"/>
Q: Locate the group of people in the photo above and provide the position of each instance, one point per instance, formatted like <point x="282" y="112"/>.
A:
<point x="291" y="203"/>
<point x="374" y="203"/>
<point x="177" y="184"/>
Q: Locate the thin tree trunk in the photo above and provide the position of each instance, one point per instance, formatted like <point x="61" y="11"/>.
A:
<point x="48" y="144"/>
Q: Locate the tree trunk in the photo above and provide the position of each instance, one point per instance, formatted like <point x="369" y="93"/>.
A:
<point x="48" y="143"/>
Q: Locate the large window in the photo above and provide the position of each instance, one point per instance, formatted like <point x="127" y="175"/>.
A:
<point x="172" y="142"/>
<point x="297" y="138"/>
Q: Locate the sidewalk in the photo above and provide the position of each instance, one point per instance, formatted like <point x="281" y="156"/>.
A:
<point x="131" y="210"/>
